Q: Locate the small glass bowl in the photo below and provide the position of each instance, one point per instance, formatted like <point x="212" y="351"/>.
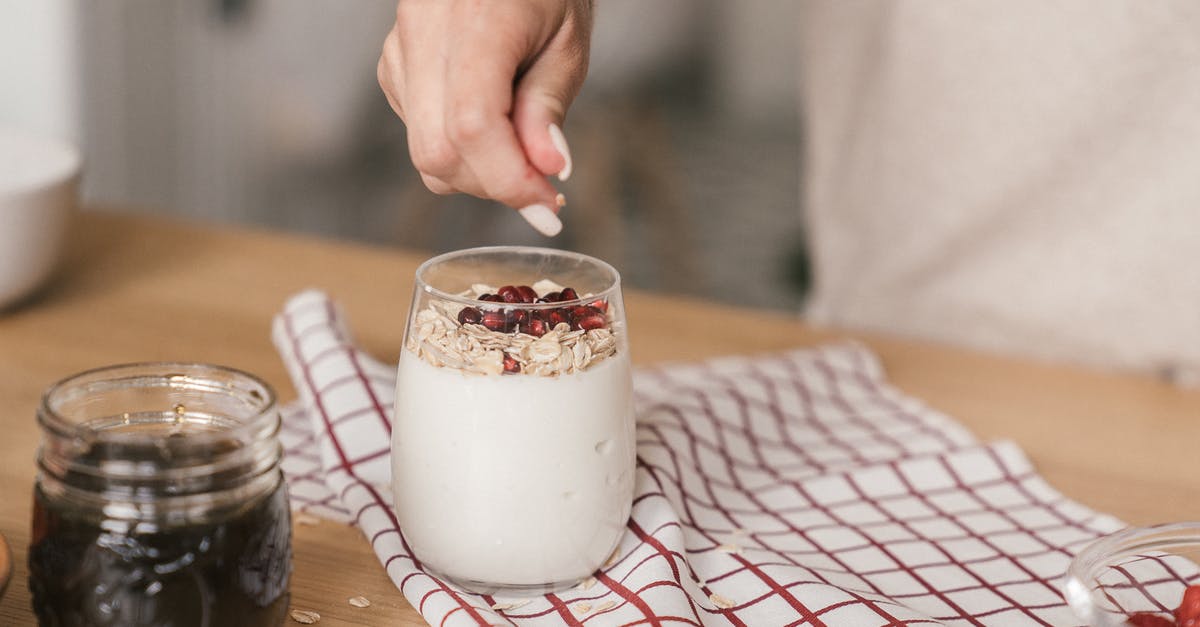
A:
<point x="1141" y="569"/>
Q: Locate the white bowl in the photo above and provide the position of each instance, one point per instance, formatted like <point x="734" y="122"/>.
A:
<point x="39" y="180"/>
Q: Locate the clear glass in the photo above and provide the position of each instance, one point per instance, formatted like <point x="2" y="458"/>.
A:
<point x="513" y="442"/>
<point x="1138" y="570"/>
<point x="159" y="500"/>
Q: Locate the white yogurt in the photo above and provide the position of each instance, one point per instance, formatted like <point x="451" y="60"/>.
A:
<point x="515" y="481"/>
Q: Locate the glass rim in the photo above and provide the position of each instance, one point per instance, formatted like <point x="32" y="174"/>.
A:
<point x="53" y="421"/>
<point x="607" y="268"/>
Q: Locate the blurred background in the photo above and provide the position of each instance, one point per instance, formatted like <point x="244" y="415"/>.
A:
<point x="267" y="113"/>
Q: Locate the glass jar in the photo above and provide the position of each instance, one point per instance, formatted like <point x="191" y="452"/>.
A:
<point x="159" y="500"/>
<point x="513" y="440"/>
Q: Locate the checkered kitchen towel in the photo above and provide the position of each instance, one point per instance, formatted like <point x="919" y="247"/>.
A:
<point x="790" y="489"/>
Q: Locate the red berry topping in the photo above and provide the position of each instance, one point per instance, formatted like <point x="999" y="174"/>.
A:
<point x="469" y="315"/>
<point x="1188" y="612"/>
<point x="556" y="317"/>
<point x="551" y="297"/>
<point x="1146" y="619"/>
<point x="535" y="327"/>
<point x="510" y="365"/>
<point x="527" y="294"/>
<point x="591" y="321"/>
<point x="509" y="294"/>
<point x="495" y="321"/>
<point x="568" y="294"/>
<point x="601" y="305"/>
<point x="491" y="298"/>
<point x="579" y="312"/>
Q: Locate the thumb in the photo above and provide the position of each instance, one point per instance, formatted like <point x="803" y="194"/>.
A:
<point x="539" y="105"/>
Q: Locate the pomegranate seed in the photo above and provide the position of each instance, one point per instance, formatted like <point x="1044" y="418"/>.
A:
<point x="1188" y="611"/>
<point x="591" y="321"/>
<point x="1146" y="619"/>
<point x="469" y="315"/>
<point x="516" y="316"/>
<point x="495" y="321"/>
<point x="535" y="327"/>
<point x="526" y="293"/>
<point x="601" y="305"/>
<point x="579" y="312"/>
<point x="509" y="294"/>
<point x="568" y="293"/>
<point x="491" y="298"/>
<point x="551" y="297"/>
<point x="510" y="365"/>
<point x="556" y="317"/>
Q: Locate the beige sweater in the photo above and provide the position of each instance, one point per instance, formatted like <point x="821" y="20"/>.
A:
<point x="1019" y="176"/>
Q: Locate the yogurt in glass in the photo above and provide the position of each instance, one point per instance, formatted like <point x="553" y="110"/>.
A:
<point x="513" y="440"/>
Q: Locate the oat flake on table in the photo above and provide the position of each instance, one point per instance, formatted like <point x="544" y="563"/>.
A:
<point x="305" y="617"/>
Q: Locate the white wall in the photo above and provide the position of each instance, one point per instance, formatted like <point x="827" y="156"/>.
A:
<point x="755" y="56"/>
<point x="191" y="113"/>
<point x="38" y="68"/>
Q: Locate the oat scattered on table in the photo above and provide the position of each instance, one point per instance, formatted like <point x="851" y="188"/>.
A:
<point x="359" y="602"/>
<point x="582" y="607"/>
<point x="307" y="520"/>
<point x="305" y="617"/>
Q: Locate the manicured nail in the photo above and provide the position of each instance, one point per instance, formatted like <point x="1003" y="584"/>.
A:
<point x="542" y="218"/>
<point x="560" y="144"/>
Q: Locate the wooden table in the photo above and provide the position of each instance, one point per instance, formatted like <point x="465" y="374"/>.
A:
<point x="135" y="289"/>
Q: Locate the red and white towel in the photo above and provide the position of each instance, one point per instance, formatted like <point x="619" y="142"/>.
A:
<point x="789" y="489"/>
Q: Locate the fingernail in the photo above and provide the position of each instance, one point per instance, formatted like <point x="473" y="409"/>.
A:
<point x="560" y="144"/>
<point x="542" y="218"/>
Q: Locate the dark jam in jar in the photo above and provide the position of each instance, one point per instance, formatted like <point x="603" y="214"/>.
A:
<point x="174" y="518"/>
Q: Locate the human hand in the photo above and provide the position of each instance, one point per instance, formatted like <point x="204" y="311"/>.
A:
<point x="483" y="87"/>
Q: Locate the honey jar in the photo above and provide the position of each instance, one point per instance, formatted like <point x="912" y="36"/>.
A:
<point x="159" y="500"/>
